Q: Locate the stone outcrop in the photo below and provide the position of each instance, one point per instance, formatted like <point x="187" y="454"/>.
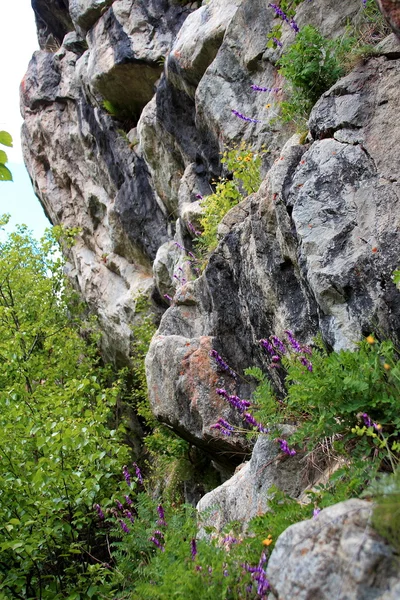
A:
<point x="123" y="126"/>
<point x="336" y="555"/>
<point x="245" y="495"/>
<point x="391" y="10"/>
<point x="126" y="110"/>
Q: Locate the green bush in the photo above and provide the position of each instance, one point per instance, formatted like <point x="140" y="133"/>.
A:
<point x="5" y="140"/>
<point x="311" y="65"/>
<point x="244" y="166"/>
<point x="59" y="455"/>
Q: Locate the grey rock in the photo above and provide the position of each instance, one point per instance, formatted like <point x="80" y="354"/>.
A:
<point x="73" y="42"/>
<point x="182" y="382"/>
<point x="337" y="555"/>
<point x="246" y="494"/>
<point x="52" y="19"/>
<point x="85" y="13"/>
<point x="391" y="11"/>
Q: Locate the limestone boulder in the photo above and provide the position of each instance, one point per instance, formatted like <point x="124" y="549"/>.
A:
<point x="336" y="555"/>
<point x="245" y="495"/>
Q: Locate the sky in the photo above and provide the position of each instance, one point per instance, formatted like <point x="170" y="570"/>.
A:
<point x="18" y="42"/>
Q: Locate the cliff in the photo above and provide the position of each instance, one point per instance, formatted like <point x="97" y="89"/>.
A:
<point x="127" y="108"/>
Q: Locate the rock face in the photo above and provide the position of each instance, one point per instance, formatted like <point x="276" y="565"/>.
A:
<point x="245" y="495"/>
<point x="123" y="128"/>
<point x="337" y="555"/>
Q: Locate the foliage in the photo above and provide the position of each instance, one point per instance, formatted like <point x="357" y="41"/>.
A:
<point x="244" y="166"/>
<point x="127" y="115"/>
<point x="58" y="453"/>
<point x="311" y="65"/>
<point x="386" y="514"/>
<point x="5" y="140"/>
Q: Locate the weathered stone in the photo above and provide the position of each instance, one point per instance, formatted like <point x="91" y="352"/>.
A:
<point x="182" y="381"/>
<point x="126" y="50"/>
<point x="85" y="13"/>
<point x="336" y="555"/>
<point x="52" y="19"/>
<point x="246" y="494"/>
<point x="391" y="11"/>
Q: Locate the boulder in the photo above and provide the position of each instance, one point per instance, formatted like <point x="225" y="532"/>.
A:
<point x="335" y="555"/>
<point x="246" y="494"/>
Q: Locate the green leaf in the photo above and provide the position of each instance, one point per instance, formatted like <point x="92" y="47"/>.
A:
<point x="5" y="174"/>
<point x="3" y="157"/>
<point x="6" y="139"/>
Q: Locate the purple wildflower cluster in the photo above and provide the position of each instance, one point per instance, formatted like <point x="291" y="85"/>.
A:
<point x="193" y="548"/>
<point x="158" y="539"/>
<point x="222" y="364"/>
<point x="99" y="511"/>
<point x="190" y="225"/>
<point x="368" y="422"/>
<point x="257" y="88"/>
<point x="285" y="447"/>
<point x="241" y="406"/>
<point x="161" y="521"/>
<point x="193" y="259"/>
<point x="244" y="118"/>
<point x="259" y="576"/>
<point x="276" y="348"/>
<point x="181" y="279"/>
<point x="223" y="426"/>
<point x="282" y="15"/>
<point x="127" y="475"/>
<point x="138" y="473"/>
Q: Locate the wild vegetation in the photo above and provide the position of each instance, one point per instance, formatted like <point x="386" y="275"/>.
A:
<point x="79" y="517"/>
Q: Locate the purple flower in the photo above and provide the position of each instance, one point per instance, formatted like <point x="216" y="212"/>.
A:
<point x="199" y="196"/>
<point x="266" y="344"/>
<point x="294" y="26"/>
<point x="180" y="246"/>
<point x="275" y="358"/>
<point x="364" y="3"/>
<point x="368" y="421"/>
<point x="130" y="516"/>
<point x="257" y="88"/>
<point x="292" y="341"/>
<point x="278" y="344"/>
<point x="238" y="114"/>
<point x="167" y="297"/>
<point x="127" y="475"/>
<point x="228" y="539"/>
<point x="124" y="526"/>
<point x="316" y="512"/>
<point x="285" y="448"/>
<point x="119" y="505"/>
<point x="222" y="364"/>
<point x="277" y="42"/>
<point x="193" y="548"/>
<point x="128" y="500"/>
<point x="157" y="543"/>
<point x="193" y="229"/>
<point x="304" y="361"/>
<point x="138" y="473"/>
<point x="222" y="392"/>
<point x="279" y="12"/>
<point x="223" y="426"/>
<point x="161" y="514"/>
<point x="99" y="511"/>
<point x="159" y="533"/>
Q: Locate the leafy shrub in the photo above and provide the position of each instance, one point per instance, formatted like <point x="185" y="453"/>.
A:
<point x="5" y="140"/>
<point x="311" y="65"/>
<point x="244" y="165"/>
<point x="386" y="514"/>
<point x="59" y="456"/>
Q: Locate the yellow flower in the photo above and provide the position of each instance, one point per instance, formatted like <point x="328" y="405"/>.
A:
<point x="268" y="106"/>
<point x="268" y="541"/>
<point x="370" y="339"/>
<point x="386" y="367"/>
